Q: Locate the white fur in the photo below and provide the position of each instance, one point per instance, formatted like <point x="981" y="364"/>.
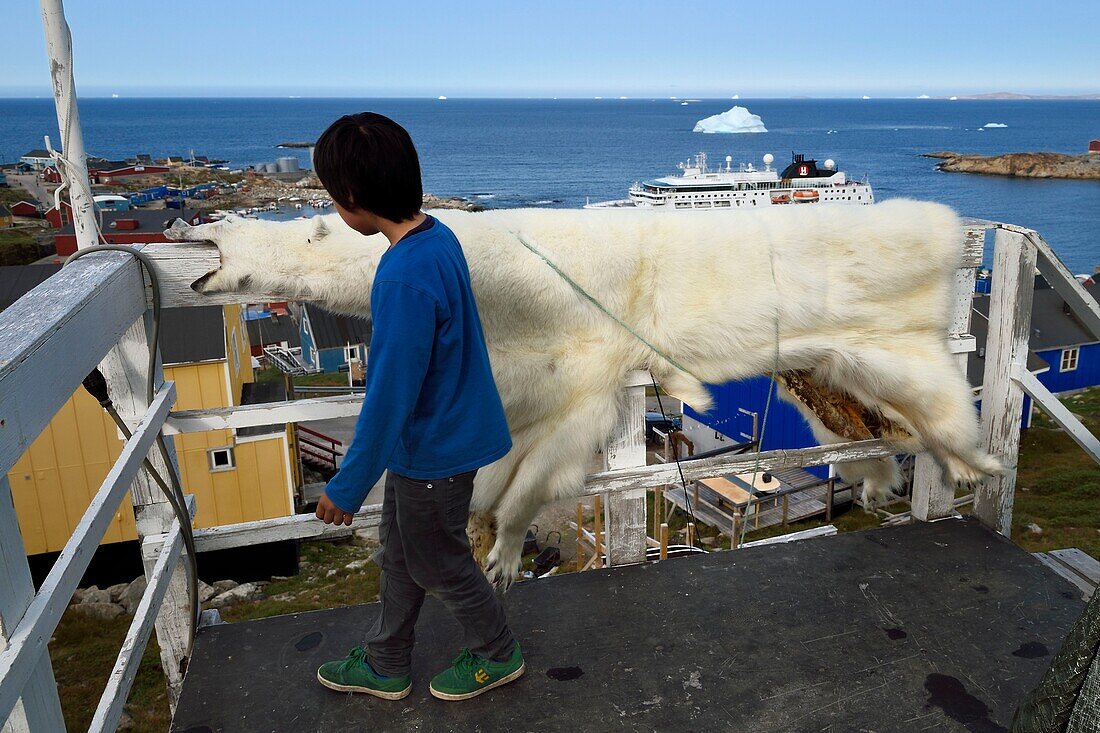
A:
<point x="862" y="296"/>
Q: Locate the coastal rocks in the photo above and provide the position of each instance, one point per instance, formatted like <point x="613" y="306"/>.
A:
<point x="123" y="598"/>
<point x="206" y="592"/>
<point x="131" y="596"/>
<point x="94" y="595"/>
<point x="221" y="586"/>
<point x="1024" y="165"/>
<point x="237" y="594"/>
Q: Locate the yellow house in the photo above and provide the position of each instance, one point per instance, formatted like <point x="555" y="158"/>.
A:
<point x="236" y="476"/>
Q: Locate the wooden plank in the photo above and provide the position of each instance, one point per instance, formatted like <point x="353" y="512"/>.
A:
<point x="827" y="531"/>
<point x="1082" y="563"/>
<point x="52" y="337"/>
<point x="1057" y="411"/>
<point x="295" y="527"/>
<point x="125" y="369"/>
<point x="932" y="496"/>
<point x="181" y="263"/>
<point x="726" y="488"/>
<point x="1087" y="588"/>
<point x="113" y="700"/>
<point x="626" y="510"/>
<point x="1012" y="291"/>
<point x="305" y="526"/>
<point x="270" y="413"/>
<point x="39" y="709"/>
<point x="648" y="477"/>
<point x="28" y="640"/>
<point x="597" y="520"/>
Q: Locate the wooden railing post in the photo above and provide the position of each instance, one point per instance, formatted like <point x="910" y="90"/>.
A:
<point x="125" y="371"/>
<point x="626" y="511"/>
<point x="39" y="709"/>
<point x="932" y="497"/>
<point x="1012" y="292"/>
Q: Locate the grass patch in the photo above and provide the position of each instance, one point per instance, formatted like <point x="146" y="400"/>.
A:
<point x="322" y="379"/>
<point x="83" y="651"/>
<point x="18" y="246"/>
<point x="1057" y="484"/>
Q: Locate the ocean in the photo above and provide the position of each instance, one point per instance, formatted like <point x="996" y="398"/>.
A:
<point x="544" y="152"/>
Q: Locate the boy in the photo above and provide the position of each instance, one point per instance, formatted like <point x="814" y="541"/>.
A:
<point x="431" y="415"/>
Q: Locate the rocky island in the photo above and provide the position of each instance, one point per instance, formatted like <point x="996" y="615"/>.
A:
<point x="1024" y="165"/>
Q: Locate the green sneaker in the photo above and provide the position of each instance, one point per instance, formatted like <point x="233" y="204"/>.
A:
<point x="354" y="674"/>
<point x="469" y="675"/>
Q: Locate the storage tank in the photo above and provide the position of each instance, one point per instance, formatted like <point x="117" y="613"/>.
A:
<point x="271" y="168"/>
<point x="287" y="164"/>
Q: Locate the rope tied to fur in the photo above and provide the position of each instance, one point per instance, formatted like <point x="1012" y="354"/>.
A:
<point x="579" y="289"/>
<point x="600" y="306"/>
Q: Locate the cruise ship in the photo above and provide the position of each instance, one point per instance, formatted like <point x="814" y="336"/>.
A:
<point x="698" y="187"/>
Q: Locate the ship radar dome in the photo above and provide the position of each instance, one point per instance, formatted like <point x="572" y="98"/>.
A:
<point x="830" y="164"/>
<point x="768" y="158"/>
<point x="729" y="158"/>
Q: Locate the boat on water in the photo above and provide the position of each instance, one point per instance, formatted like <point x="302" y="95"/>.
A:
<point x="801" y="183"/>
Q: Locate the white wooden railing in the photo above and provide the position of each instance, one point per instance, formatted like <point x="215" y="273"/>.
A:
<point x="94" y="312"/>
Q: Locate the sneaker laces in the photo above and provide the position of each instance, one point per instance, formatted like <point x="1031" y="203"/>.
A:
<point x="356" y="658"/>
<point x="466" y="662"/>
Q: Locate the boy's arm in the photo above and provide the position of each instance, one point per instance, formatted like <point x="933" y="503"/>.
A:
<point x="400" y="350"/>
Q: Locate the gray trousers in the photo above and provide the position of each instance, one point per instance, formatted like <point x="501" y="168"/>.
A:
<point x="425" y="550"/>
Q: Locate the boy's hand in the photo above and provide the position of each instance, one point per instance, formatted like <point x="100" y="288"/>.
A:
<point x="329" y="513"/>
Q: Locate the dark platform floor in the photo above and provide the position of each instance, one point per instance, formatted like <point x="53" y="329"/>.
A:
<point x="938" y="626"/>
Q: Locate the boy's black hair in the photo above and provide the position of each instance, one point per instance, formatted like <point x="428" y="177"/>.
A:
<point x="368" y="161"/>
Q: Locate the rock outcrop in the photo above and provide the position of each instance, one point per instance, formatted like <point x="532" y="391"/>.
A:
<point x="1024" y="165"/>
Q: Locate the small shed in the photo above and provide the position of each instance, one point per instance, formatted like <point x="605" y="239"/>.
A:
<point x="26" y="208"/>
<point x="1094" y="146"/>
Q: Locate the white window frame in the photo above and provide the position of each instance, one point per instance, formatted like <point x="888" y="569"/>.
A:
<point x="351" y="352"/>
<point x="1069" y="360"/>
<point x="214" y="468"/>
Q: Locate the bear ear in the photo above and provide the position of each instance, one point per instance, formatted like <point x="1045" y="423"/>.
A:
<point x="320" y="229"/>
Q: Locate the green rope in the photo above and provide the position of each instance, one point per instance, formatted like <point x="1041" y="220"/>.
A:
<point x="775" y="365"/>
<point x="587" y="296"/>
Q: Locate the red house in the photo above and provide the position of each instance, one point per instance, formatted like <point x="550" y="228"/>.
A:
<point x="60" y="217"/>
<point x="1094" y="146"/>
<point x="128" y="227"/>
<point x="25" y="208"/>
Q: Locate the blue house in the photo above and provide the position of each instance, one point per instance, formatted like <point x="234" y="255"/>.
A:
<point x="330" y="341"/>
<point x="1063" y="355"/>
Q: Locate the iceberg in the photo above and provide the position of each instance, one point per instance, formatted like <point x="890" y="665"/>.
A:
<point x="735" y="119"/>
<point x="994" y="124"/>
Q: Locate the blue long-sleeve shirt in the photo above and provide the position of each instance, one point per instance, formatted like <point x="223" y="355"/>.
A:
<point x="431" y="408"/>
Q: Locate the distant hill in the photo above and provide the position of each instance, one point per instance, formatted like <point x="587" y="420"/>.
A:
<point x="1015" y="95"/>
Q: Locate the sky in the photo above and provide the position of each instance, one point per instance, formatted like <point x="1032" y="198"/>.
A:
<point x="644" y="48"/>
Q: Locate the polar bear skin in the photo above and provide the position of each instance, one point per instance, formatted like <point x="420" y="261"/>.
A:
<point x="862" y="297"/>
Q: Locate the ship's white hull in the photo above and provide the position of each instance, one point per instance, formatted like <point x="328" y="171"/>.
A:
<point x="857" y="194"/>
